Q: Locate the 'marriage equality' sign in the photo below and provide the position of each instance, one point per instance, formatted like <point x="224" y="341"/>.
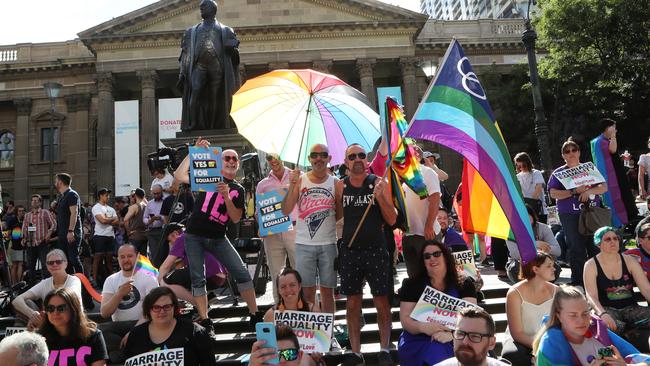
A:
<point x="314" y="330"/>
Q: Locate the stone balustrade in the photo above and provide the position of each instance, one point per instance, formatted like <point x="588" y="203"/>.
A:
<point x="43" y="52"/>
<point x="8" y="55"/>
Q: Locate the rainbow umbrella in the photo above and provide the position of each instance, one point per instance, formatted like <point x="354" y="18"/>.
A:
<point x="287" y="111"/>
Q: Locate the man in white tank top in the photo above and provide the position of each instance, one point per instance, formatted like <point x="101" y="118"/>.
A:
<point x="313" y="193"/>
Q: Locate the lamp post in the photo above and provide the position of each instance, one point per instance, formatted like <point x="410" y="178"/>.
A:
<point x="52" y="90"/>
<point x="541" y="127"/>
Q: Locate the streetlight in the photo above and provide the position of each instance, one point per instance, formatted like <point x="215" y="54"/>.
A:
<point x="52" y="90"/>
<point x="541" y="128"/>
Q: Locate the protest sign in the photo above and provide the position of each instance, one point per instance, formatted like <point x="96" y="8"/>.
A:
<point x="205" y="168"/>
<point x="13" y="330"/>
<point x="465" y="260"/>
<point x="437" y="306"/>
<point x="314" y="330"/>
<point x="269" y="213"/>
<point x="581" y="175"/>
<point x="168" y="357"/>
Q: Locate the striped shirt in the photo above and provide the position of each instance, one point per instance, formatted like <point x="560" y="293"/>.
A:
<point x="44" y="223"/>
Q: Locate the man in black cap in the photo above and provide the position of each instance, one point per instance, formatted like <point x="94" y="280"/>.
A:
<point x="103" y="241"/>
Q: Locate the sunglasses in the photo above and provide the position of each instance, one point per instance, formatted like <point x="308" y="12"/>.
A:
<point x="57" y="262"/>
<point x="322" y="155"/>
<point x="568" y="151"/>
<point x="229" y="158"/>
<point x="437" y="254"/>
<point x="645" y="237"/>
<point x="59" y="308"/>
<point x="473" y="337"/>
<point x="289" y="354"/>
<point x="159" y="308"/>
<point x="354" y="156"/>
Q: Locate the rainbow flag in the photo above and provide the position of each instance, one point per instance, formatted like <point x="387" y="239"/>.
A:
<point x="455" y="113"/>
<point x="144" y="264"/>
<point x="613" y="197"/>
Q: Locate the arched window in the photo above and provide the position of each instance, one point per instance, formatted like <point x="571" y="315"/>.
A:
<point x="7" y="139"/>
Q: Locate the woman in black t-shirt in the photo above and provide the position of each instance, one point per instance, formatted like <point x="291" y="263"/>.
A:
<point x="164" y="331"/>
<point x="423" y="343"/>
<point x="71" y="338"/>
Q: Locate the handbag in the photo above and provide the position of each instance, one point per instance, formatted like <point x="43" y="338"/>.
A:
<point x="593" y="218"/>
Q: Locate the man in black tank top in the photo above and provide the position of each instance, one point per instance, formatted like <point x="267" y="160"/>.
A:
<point x="367" y="257"/>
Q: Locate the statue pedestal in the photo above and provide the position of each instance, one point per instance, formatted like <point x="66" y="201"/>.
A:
<point x="226" y="139"/>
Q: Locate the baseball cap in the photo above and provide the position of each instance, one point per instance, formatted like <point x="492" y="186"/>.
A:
<point x="171" y="227"/>
<point x="427" y="154"/>
<point x="103" y="190"/>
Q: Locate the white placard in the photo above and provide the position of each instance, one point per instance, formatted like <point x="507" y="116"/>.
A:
<point x="314" y="330"/>
<point x="584" y="174"/>
<point x="437" y="306"/>
<point x="170" y="111"/>
<point x="127" y="147"/>
<point x="13" y="330"/>
<point x="174" y="356"/>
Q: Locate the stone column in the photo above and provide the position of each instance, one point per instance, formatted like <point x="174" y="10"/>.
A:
<point x="365" y="68"/>
<point x="77" y="133"/>
<point x="105" y="131"/>
<point x="149" y="120"/>
<point x="409" y="85"/>
<point x="324" y="66"/>
<point x="21" y="152"/>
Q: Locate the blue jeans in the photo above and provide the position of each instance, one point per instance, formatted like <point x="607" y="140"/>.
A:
<point x="577" y="246"/>
<point x="223" y="251"/>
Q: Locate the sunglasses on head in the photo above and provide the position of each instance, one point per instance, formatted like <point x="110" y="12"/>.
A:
<point x="436" y="254"/>
<point x="289" y="354"/>
<point x="567" y="151"/>
<point x="59" y="308"/>
<point x="270" y="158"/>
<point x="228" y="158"/>
<point x="322" y="155"/>
<point x="354" y="156"/>
<point x="159" y="308"/>
<point x="56" y="261"/>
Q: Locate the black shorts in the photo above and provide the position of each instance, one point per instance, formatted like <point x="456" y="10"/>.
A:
<point x="103" y="244"/>
<point x="181" y="277"/>
<point x="370" y="263"/>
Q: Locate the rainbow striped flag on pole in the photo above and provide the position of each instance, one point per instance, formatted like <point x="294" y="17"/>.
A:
<point x="144" y="264"/>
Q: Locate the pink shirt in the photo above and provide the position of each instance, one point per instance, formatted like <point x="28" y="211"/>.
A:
<point x="272" y="183"/>
<point x="378" y="165"/>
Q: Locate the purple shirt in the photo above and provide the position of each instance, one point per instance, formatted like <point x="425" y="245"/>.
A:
<point x="212" y="265"/>
<point x="569" y="205"/>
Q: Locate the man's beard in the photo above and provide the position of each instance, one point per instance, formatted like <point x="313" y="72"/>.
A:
<point x="468" y="357"/>
<point x="358" y="167"/>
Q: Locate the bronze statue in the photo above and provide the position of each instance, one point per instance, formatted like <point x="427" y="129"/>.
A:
<point x="209" y="71"/>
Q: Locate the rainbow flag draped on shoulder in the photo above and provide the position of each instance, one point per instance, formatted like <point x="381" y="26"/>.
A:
<point x="613" y="197"/>
<point x="144" y="265"/>
<point x="455" y="113"/>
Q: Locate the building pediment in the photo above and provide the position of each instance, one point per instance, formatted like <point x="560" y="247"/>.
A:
<point x="47" y="116"/>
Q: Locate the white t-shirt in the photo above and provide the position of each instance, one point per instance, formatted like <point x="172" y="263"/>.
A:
<point x="416" y="208"/>
<point x="587" y="351"/>
<point x="454" y="362"/>
<point x="644" y="161"/>
<point x="528" y="181"/>
<point x="130" y="308"/>
<point x="103" y="229"/>
<point x="316" y="212"/>
<point x="165" y="182"/>
<point x="41" y="289"/>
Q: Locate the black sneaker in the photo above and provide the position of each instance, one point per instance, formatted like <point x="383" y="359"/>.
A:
<point x="256" y="318"/>
<point x="353" y="359"/>
<point x="209" y="327"/>
<point x="384" y="358"/>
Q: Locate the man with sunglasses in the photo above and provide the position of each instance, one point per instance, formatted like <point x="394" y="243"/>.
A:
<point x="473" y="339"/>
<point x="206" y="231"/>
<point x="281" y="245"/>
<point x="367" y="257"/>
<point x="288" y="350"/>
<point x="313" y="193"/>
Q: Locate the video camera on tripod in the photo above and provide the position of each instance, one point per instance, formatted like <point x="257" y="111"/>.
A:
<point x="167" y="158"/>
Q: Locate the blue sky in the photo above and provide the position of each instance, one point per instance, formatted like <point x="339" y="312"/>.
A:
<point x="36" y="21"/>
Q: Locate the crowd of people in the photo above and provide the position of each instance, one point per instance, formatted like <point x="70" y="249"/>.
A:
<point x="345" y="233"/>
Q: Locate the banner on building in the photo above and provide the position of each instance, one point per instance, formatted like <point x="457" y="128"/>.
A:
<point x="205" y="168"/>
<point x="437" y="306"/>
<point x="314" y="330"/>
<point x="581" y="175"/>
<point x="127" y="147"/>
<point x="169" y="118"/>
<point x="382" y="93"/>
<point x="173" y="356"/>
<point x="269" y="213"/>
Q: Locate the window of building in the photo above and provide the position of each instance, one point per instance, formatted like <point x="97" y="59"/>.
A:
<point x="7" y="140"/>
<point x="45" y="143"/>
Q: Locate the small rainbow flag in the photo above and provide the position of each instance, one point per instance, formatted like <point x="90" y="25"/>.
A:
<point x="144" y="264"/>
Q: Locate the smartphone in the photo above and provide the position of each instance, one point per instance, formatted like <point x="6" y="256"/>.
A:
<point x="605" y="352"/>
<point x="266" y="332"/>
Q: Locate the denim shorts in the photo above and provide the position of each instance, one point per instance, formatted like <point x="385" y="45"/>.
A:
<point x="315" y="263"/>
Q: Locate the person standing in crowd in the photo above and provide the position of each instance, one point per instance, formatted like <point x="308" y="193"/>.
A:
<point x="642" y="251"/>
<point x="164" y="179"/>
<point x="527" y="302"/>
<point x="134" y="222"/>
<point x="71" y="337"/>
<point x="183" y="208"/>
<point x="569" y="205"/>
<point x="122" y="298"/>
<point x="164" y="330"/>
<point x="278" y="247"/>
<point x="644" y="174"/>
<point x="474" y="337"/>
<point x="422" y="216"/>
<point x="367" y="257"/>
<point x="154" y="221"/>
<point x="24" y="348"/>
<point x="68" y="219"/>
<point x="314" y="195"/>
<point x="120" y="208"/>
<point x="450" y="237"/>
<point x="15" y="225"/>
<point x="25" y="303"/>
<point x="206" y="231"/>
<point x="38" y="228"/>
<point x="104" y="235"/>
<point x="531" y="182"/>
<point x="430" y="162"/>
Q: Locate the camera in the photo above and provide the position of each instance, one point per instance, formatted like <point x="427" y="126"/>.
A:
<point x="167" y="158"/>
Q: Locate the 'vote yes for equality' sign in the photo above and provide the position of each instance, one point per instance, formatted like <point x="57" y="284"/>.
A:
<point x="205" y="168"/>
<point x="437" y="306"/>
<point x="314" y="330"/>
<point x="168" y="357"/>
<point x="269" y="213"/>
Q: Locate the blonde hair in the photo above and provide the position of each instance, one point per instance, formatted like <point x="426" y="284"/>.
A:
<point x="562" y="293"/>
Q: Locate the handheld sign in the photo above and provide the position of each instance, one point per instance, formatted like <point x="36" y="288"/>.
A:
<point x="13" y="330"/>
<point x="269" y="213"/>
<point x="174" y="356"/>
<point x="465" y="260"/>
<point x="439" y="307"/>
<point x="314" y="330"/>
<point x="581" y="175"/>
<point x="205" y="168"/>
